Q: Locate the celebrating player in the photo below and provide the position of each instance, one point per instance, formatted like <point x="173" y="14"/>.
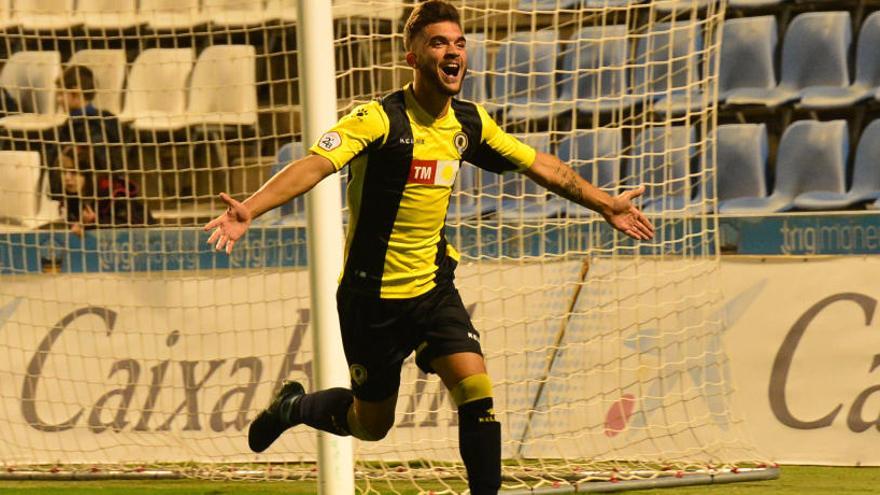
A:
<point x="396" y="293"/>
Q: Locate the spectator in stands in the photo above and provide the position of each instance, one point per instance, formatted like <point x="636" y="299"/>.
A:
<point x="95" y="197"/>
<point x="87" y="125"/>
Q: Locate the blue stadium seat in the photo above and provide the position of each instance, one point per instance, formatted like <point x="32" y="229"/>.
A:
<point x="477" y="193"/>
<point x="661" y="159"/>
<point x="814" y="53"/>
<point x="667" y="60"/>
<point x="522" y="198"/>
<point x="865" y="180"/>
<point x="525" y="66"/>
<point x="594" y="71"/>
<point x="475" y="84"/>
<point x="747" y="51"/>
<point x="811" y="157"/>
<point x="867" y="73"/>
<point x="595" y="156"/>
<point x="294" y="211"/>
<point x="742" y="162"/>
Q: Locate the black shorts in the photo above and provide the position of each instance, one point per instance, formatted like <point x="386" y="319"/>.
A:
<point x="379" y="334"/>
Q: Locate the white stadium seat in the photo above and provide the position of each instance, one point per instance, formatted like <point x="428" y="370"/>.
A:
<point x="155" y="98"/>
<point x="169" y="15"/>
<point x="226" y="13"/>
<point x="30" y="77"/>
<point x="108" y="14"/>
<point x="223" y="89"/>
<point x="108" y="67"/>
<point x="22" y="202"/>
<point x="44" y="15"/>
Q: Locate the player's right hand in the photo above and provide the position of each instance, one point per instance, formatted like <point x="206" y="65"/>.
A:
<point x="230" y="226"/>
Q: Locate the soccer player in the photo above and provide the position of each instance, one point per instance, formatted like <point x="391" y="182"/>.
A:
<point x="396" y="294"/>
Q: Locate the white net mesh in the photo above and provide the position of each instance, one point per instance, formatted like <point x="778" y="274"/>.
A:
<point x="132" y="346"/>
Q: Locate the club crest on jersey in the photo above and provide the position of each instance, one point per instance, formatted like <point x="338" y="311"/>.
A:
<point x="330" y="141"/>
<point x="460" y="140"/>
<point x="433" y="172"/>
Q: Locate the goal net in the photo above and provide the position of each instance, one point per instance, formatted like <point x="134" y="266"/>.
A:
<point x="131" y="347"/>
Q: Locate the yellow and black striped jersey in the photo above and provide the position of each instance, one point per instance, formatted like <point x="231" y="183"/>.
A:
<point x="403" y="166"/>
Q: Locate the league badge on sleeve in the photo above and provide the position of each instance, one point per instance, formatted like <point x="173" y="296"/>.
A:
<point x="330" y="141"/>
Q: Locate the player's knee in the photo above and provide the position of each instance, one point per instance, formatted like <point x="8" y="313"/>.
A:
<point x="371" y="430"/>
<point x="472" y="389"/>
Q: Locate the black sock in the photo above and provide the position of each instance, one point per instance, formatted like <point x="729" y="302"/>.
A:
<point x="326" y="410"/>
<point x="479" y="442"/>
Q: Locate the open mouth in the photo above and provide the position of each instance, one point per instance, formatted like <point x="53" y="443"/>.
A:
<point x="451" y="70"/>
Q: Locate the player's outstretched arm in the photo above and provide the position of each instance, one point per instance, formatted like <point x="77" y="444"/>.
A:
<point x="296" y="178"/>
<point x="619" y="211"/>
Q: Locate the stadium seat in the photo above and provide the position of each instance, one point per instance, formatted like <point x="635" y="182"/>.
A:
<point x="108" y="67"/>
<point x="22" y="201"/>
<point x="521" y="197"/>
<point x="747" y="52"/>
<point x="44" y="15"/>
<point x="594" y="71"/>
<point x="223" y="88"/>
<point x="667" y="6"/>
<point x="666" y="61"/>
<point x="107" y="14"/>
<point x="282" y="10"/>
<point x="155" y="98"/>
<point x="294" y="211"/>
<point x="753" y="4"/>
<point x="595" y="156"/>
<point x="228" y="13"/>
<point x="742" y="162"/>
<point x="475" y="87"/>
<point x="661" y="161"/>
<point x="171" y="15"/>
<point x="523" y="83"/>
<point x="389" y="10"/>
<point x="547" y="5"/>
<point x="6" y="20"/>
<point x="30" y="77"/>
<point x="463" y="202"/>
<point x="812" y="157"/>
<point x="814" y="53"/>
<point x="867" y="79"/>
<point x="865" y="179"/>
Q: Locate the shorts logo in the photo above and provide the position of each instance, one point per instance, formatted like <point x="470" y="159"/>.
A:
<point x="433" y="172"/>
<point x="330" y="141"/>
<point x="358" y="374"/>
<point x="460" y="140"/>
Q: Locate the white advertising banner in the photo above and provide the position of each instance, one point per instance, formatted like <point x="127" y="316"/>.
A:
<point x="162" y="368"/>
<point x="804" y="348"/>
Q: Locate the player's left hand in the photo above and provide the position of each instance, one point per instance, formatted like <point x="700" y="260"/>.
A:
<point x="625" y="217"/>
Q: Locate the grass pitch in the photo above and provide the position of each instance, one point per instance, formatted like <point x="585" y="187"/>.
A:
<point x="793" y="480"/>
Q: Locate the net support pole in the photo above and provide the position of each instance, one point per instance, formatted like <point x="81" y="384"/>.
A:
<point x="314" y="31"/>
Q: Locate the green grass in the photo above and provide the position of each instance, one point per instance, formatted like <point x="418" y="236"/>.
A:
<point x="793" y="480"/>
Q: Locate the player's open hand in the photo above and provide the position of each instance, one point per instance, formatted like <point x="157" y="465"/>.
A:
<point x="230" y="226"/>
<point x="625" y="217"/>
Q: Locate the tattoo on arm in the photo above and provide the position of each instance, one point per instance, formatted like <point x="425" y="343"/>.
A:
<point x="567" y="184"/>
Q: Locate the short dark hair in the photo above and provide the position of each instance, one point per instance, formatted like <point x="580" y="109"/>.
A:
<point x="79" y="77"/>
<point x="426" y="13"/>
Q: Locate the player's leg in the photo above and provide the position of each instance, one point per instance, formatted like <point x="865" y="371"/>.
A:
<point x="479" y="434"/>
<point x="370" y="338"/>
<point x="451" y="349"/>
<point x="334" y="410"/>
